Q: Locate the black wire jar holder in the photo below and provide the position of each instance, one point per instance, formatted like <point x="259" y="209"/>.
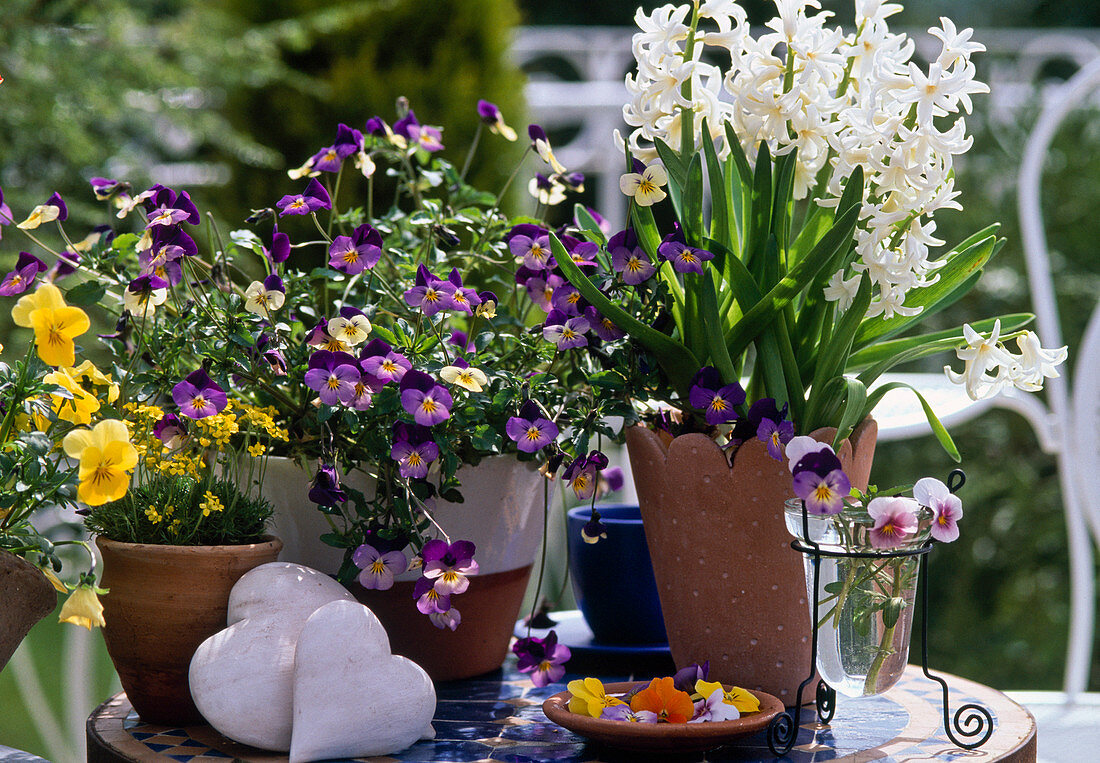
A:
<point x="972" y="724"/>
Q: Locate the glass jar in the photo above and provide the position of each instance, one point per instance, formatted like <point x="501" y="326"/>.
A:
<point x="865" y="603"/>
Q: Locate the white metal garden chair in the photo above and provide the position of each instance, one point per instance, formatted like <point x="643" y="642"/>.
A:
<point x="1068" y="426"/>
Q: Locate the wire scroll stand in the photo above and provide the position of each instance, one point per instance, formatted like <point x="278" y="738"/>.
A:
<point x="972" y="724"/>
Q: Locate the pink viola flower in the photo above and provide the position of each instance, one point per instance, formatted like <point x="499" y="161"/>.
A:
<point x="449" y="565"/>
<point x="333" y="375"/>
<point x="26" y="271"/>
<point x="315" y="197"/>
<point x="198" y="396"/>
<point x="715" y="708"/>
<point x="429" y="599"/>
<point x="946" y="508"/>
<point x="358" y="252"/>
<point x="564" y="332"/>
<point x="428" y="403"/>
<point x="452" y="618"/>
<point x="378" y="569"/>
<point x="413" y="450"/>
<point x="530" y="430"/>
<point x="543" y="658"/>
<point x="895" y="520"/>
<point x="624" y="713"/>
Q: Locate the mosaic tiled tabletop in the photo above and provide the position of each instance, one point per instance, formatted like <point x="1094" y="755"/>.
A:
<point x="499" y="718"/>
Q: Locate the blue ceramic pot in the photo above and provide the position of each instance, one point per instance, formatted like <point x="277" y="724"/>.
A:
<point x="613" y="579"/>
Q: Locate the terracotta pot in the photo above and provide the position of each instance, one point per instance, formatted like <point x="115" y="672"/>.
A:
<point x="164" y="601"/>
<point x="27" y="597"/>
<point x="732" y="589"/>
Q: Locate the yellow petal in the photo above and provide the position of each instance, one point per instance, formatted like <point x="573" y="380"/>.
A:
<point x="54" y="580"/>
<point x="76" y="441"/>
<point x="82" y="608"/>
<point x="45" y="296"/>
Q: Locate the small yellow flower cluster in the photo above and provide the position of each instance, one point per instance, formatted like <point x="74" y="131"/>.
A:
<point x="210" y="503"/>
<point x="257" y="449"/>
<point x="181" y="464"/>
<point x="174" y="528"/>
<point x="263" y="418"/>
<point x="219" y="428"/>
<point x="152" y="515"/>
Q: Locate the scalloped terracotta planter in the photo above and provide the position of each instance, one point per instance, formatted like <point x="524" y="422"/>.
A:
<point x="732" y="589"/>
<point x="164" y="601"/>
<point x="27" y="597"/>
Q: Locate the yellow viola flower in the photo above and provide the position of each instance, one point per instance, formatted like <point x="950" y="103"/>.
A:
<point x="45" y="296"/>
<point x="54" y="332"/>
<point x="43" y="213"/>
<point x="79" y="408"/>
<point x="83" y="608"/>
<point x="588" y="697"/>
<point x="470" y="378"/>
<point x="106" y="457"/>
<point x="740" y="698"/>
<point x="88" y="371"/>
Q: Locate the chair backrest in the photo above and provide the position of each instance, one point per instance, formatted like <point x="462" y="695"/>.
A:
<point x="1076" y="413"/>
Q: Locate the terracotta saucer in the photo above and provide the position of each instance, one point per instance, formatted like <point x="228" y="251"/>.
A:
<point x="660" y="737"/>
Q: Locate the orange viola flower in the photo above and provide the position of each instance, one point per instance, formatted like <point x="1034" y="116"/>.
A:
<point x="663" y="698"/>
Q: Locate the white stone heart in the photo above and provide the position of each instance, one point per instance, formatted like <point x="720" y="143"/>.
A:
<point x="352" y="696"/>
<point x="242" y="678"/>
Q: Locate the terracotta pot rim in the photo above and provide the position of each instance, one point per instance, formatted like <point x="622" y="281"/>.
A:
<point x="165" y="549"/>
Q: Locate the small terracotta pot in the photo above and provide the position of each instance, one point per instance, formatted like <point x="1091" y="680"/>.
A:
<point x="27" y="597"/>
<point x="732" y="589"/>
<point x="489" y="607"/>
<point x="164" y="601"/>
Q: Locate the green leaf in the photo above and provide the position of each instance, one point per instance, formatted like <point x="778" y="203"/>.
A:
<point x="892" y="611"/>
<point x="678" y="362"/>
<point x="938" y="428"/>
<point x="855" y="399"/>
<point x="784" y="198"/>
<point x="761" y="208"/>
<point x="692" y="219"/>
<point x="87" y="293"/>
<point x="125" y="243"/>
<point x="712" y="325"/>
<point x="833" y="356"/>
<point x="721" y="211"/>
<point x="588" y="223"/>
<point x="677" y="175"/>
<point x="610" y="379"/>
<point x="384" y="333"/>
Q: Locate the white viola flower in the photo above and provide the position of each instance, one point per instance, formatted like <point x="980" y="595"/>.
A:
<point x="801" y="445"/>
<point x="1034" y="364"/>
<point x="264" y="297"/>
<point x="366" y="165"/>
<point x="143" y="305"/>
<point x="548" y="190"/>
<point x="842" y="291"/>
<point x="467" y="377"/>
<point x="645" y="187"/>
<point x="946" y="507"/>
<point x="350" y="327"/>
<point x="980" y="355"/>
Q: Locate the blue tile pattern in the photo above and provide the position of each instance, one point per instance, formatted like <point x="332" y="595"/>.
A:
<point x="499" y="717"/>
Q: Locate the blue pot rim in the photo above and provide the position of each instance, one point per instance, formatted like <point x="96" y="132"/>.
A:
<point x="607" y="514"/>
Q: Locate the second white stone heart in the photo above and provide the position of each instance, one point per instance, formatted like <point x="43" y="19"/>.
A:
<point x="352" y="696"/>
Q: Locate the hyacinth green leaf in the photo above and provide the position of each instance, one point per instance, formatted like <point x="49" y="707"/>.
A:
<point x="934" y="422"/>
<point x="588" y="223"/>
<point x="676" y="170"/>
<point x="855" y="401"/>
<point x="764" y="310"/>
<point x="784" y="198"/>
<point x="645" y="228"/>
<point x="816" y="225"/>
<point x="721" y="211"/>
<point x="712" y="325"/>
<point x="760" y="212"/>
<point x="832" y="355"/>
<point x="692" y="220"/>
<point x="881" y="357"/>
<point x="955" y="279"/>
<point x="737" y="154"/>
<point x="677" y="360"/>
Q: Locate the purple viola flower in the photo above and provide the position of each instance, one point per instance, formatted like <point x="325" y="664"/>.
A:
<point x="543" y="658"/>
<point x="820" y="481"/>
<point x="380" y="362"/>
<point x="358" y="252"/>
<point x="413" y="450"/>
<point x="584" y="254"/>
<point x="62" y="210"/>
<point x="198" y="396"/>
<point x="602" y="326"/>
<point x="624" y="713"/>
<point x="449" y="565"/>
<point x="574" y="181"/>
<point x="530" y="430"/>
<point x="565" y="332"/>
<point x="583" y="474"/>
<point x="594" y="529"/>
<point x="377" y="127"/>
<point x="629" y="259"/>
<point x="568" y="300"/>
<point x="170" y="430"/>
<point x="452" y="618"/>
<point x="67" y="262"/>
<point x="540" y="285"/>
<point x="429" y="599"/>
<point x="268" y="351"/>
<point x="378" y="567"/>
<point x="717" y="401"/>
<point x="430" y="294"/>
<point x="329" y="159"/>
<point x="427" y="138"/>
<point x="307" y="202"/>
<point x="19" y="280"/>
<point x="428" y="403"/>
<point x="684" y="258"/>
<point x="685" y="678"/>
<point x="747" y="427"/>
<point x="775" y="434"/>
<point x="325" y="489"/>
<point x="463" y="298"/>
<point x="333" y="375"/>
<point x="280" y="245"/>
<point x="106" y="189"/>
<point x="534" y="250"/>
